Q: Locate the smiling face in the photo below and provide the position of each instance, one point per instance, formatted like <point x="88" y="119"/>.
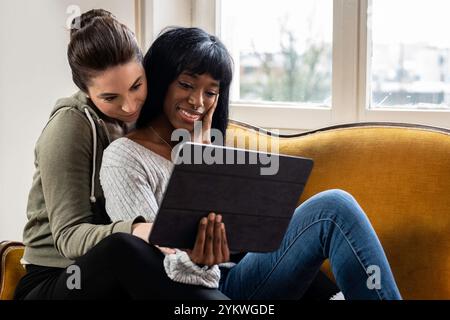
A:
<point x="120" y="91"/>
<point x="189" y="98"/>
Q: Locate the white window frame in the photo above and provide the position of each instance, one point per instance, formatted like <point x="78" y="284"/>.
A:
<point x="350" y="75"/>
<point x="439" y="118"/>
<point x="152" y="16"/>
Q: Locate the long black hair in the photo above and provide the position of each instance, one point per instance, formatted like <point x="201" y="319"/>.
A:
<point x="192" y="50"/>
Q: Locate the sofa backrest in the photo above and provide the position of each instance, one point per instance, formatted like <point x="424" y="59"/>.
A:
<point x="400" y="175"/>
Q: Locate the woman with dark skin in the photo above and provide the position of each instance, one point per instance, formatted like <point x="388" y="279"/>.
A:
<point x="189" y="74"/>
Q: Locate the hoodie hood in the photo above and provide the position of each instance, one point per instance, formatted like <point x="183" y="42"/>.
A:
<point x="101" y="126"/>
<point x="84" y="105"/>
<point x="78" y="101"/>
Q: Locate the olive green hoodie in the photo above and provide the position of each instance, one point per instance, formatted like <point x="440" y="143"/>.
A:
<point x="66" y="207"/>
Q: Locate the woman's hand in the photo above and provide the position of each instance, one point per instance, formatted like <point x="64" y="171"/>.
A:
<point x="205" y="135"/>
<point x="141" y="230"/>
<point x="211" y="245"/>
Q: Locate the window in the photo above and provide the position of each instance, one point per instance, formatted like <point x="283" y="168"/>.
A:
<point x="410" y="54"/>
<point x="282" y="50"/>
<point x="368" y="60"/>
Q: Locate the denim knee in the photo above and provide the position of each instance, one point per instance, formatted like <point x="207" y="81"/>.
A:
<point x="335" y="197"/>
<point x="332" y="203"/>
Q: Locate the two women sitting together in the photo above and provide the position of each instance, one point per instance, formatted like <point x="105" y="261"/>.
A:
<point x="103" y="161"/>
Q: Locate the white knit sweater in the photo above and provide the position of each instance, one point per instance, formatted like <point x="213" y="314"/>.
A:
<point x="134" y="179"/>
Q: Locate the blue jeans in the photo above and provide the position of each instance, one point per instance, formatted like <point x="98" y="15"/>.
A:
<point x="331" y="225"/>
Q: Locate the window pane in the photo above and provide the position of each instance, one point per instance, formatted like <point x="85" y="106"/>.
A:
<point x="410" y="54"/>
<point x="282" y="49"/>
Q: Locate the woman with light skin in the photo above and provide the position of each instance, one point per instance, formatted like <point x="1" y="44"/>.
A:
<point x="189" y="74"/>
<point x="69" y="234"/>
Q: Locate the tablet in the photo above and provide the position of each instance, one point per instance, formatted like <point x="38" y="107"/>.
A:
<point x="255" y="192"/>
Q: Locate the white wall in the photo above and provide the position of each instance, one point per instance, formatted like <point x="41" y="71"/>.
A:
<point x="34" y="73"/>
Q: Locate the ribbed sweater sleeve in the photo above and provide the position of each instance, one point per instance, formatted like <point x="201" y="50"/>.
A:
<point x="128" y="190"/>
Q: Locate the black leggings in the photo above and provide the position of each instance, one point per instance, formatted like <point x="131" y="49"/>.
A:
<point x="120" y="266"/>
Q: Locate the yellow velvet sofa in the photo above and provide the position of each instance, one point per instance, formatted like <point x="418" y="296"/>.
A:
<point x="400" y="175"/>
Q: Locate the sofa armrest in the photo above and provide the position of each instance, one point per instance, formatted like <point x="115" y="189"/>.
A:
<point x="11" y="270"/>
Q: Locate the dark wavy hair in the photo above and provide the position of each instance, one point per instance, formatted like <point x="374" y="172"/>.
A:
<point x="178" y="50"/>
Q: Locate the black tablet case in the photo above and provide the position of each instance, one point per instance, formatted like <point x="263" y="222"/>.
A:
<point x="256" y="208"/>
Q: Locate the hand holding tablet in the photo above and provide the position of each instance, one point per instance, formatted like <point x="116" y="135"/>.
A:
<point x="255" y="208"/>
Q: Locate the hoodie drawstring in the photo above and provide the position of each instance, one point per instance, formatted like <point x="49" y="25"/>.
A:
<point x="94" y="154"/>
